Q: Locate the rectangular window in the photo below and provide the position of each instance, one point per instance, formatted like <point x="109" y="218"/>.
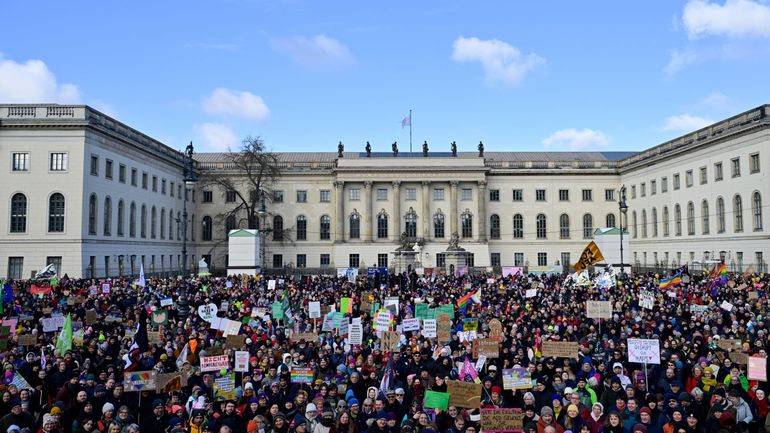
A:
<point x="144" y="180"/>
<point x="438" y="194"/>
<point x="155" y="184"/>
<point x="382" y="194"/>
<point x="563" y="195"/>
<point x="133" y="177"/>
<point x="354" y="261"/>
<point x="739" y="259"/>
<point x="565" y="260"/>
<point x="470" y="260"/>
<point x="718" y="175"/>
<point x="171" y="189"/>
<point x="633" y="191"/>
<point x="230" y="197"/>
<point x="55" y="261"/>
<point x="542" y="259"/>
<point x="411" y="194"/>
<point x="588" y="195"/>
<point x="325" y="260"/>
<point x="518" y="195"/>
<point x="58" y="162"/>
<point x="278" y="196"/>
<point x="20" y="161"/>
<point x="643" y="189"/>
<point x="495" y="259"/>
<point x="653" y="187"/>
<point x="441" y="260"/>
<point x="163" y="187"/>
<point x="355" y="194"/>
<point x="301" y="196"/>
<point x="676" y="181"/>
<point x="754" y="163"/>
<point x="122" y="173"/>
<point x="703" y="176"/>
<point x="609" y="195"/>
<point x="208" y="196"/>
<point x="664" y="184"/>
<point x="94" y="165"/>
<point x="15" y="267"/>
<point x="494" y="195"/>
<point x="518" y="259"/>
<point x="108" y="169"/>
<point x="760" y="260"/>
<point x="382" y="260"/>
<point x="301" y="260"/>
<point x="735" y="163"/>
<point x="277" y="260"/>
<point x="179" y="191"/>
<point x="540" y="195"/>
<point x="466" y="194"/>
<point x="325" y="196"/>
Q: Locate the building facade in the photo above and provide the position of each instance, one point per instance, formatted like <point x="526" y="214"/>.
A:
<point x="118" y="201"/>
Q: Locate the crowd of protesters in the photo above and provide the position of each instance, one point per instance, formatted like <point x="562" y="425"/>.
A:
<point x="697" y="387"/>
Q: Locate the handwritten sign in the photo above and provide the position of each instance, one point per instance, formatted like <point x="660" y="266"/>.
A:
<point x="139" y="380"/>
<point x="643" y="350"/>
<point x="444" y="327"/>
<point x="757" y="368"/>
<point x="356" y="334"/>
<point x="496" y="330"/>
<point x="301" y="375"/>
<point x="464" y="394"/>
<point x="502" y="420"/>
<point x="235" y="341"/>
<point x="314" y="309"/>
<point x="168" y="382"/>
<point x="214" y="363"/>
<point x="242" y="361"/>
<point x="53" y="324"/>
<point x="27" y="340"/>
<point x="389" y="341"/>
<point x="599" y="310"/>
<point x="309" y="337"/>
<point x="486" y="347"/>
<point x="412" y="325"/>
<point x="730" y="344"/>
<point x="429" y="328"/>
<point x="560" y="349"/>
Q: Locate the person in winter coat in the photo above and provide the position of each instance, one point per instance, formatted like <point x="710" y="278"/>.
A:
<point x="547" y="419"/>
<point x="614" y="423"/>
<point x="742" y="409"/>
<point x="595" y="419"/>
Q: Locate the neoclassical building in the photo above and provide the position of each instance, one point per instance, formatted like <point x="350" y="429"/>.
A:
<point x="100" y="198"/>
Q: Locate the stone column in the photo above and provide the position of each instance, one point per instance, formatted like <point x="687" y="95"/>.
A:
<point x="426" y="217"/>
<point x="453" y="208"/>
<point x="367" y="234"/>
<point x="339" y="234"/>
<point x="395" y="234"/>
<point x="482" y="208"/>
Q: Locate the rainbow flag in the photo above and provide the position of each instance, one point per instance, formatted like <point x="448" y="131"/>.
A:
<point x="670" y="281"/>
<point x="463" y="302"/>
<point x="722" y="272"/>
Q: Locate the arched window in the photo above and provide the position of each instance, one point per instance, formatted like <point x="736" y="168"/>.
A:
<point x="665" y="221"/>
<point x="655" y="222"/>
<point x="720" y="215"/>
<point x="564" y="226"/>
<point x="541" y="226"/>
<point x="325" y="228"/>
<point x="382" y="225"/>
<point x="690" y="218"/>
<point x="610" y="220"/>
<point x="518" y="226"/>
<point x="277" y="228"/>
<point x="230" y="224"/>
<point x="56" y="213"/>
<point x="301" y="228"/>
<point x="494" y="226"/>
<point x="438" y="225"/>
<point x="153" y="223"/>
<point x="132" y="220"/>
<point x="107" y="223"/>
<point x="644" y="223"/>
<point x="355" y="225"/>
<point x="466" y="220"/>
<point x="633" y="224"/>
<point x="756" y="210"/>
<point x="704" y="216"/>
<point x="92" y="214"/>
<point x="143" y="222"/>
<point x="163" y="223"/>
<point x="588" y="226"/>
<point x="678" y="220"/>
<point x="18" y="213"/>
<point x="206" y="228"/>
<point x="410" y="224"/>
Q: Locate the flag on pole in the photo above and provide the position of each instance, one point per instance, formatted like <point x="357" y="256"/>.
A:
<point x="406" y="121"/>
<point x="591" y="254"/>
<point x="140" y="345"/>
<point x="142" y="282"/>
<point x="388" y="376"/>
<point x="43" y="361"/>
<point x="64" y="342"/>
<point x="182" y="358"/>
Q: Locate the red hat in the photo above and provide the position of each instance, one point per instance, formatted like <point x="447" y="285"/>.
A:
<point x="497" y="389"/>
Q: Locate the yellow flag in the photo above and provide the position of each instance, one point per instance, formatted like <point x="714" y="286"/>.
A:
<point x="590" y="255"/>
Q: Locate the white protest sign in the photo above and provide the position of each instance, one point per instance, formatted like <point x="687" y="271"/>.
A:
<point x="271" y="285"/>
<point x="208" y="312"/>
<point x="314" y="309"/>
<point x="480" y="363"/>
<point x="224" y="305"/>
<point x="242" y="361"/>
<point x="52" y="324"/>
<point x="599" y="310"/>
<point x="644" y="351"/>
<point x="382" y="321"/>
<point x="646" y="299"/>
<point x="699" y="309"/>
<point x="356" y="334"/>
<point x="530" y="293"/>
<point x="328" y="324"/>
<point x="391" y="300"/>
<point x="726" y="306"/>
<point x="165" y="302"/>
<point x="411" y="325"/>
<point x="214" y="363"/>
<point x="344" y="326"/>
<point x="429" y="328"/>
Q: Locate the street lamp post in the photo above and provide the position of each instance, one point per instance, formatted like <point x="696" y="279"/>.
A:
<point x="623" y="207"/>
<point x="189" y="184"/>
<point x="262" y="214"/>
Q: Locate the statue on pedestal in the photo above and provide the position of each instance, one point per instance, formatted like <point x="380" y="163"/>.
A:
<point x="404" y="243"/>
<point x="395" y="148"/>
<point x="454" y="242"/>
<point x="368" y="149"/>
<point x="425" y="149"/>
<point x="340" y="149"/>
<point x="454" y="149"/>
<point x="481" y="149"/>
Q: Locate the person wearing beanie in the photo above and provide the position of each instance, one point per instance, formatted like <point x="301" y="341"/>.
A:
<point x="280" y="423"/>
<point x="197" y="421"/>
<point x="547" y="419"/>
<point x="157" y="420"/>
<point x="380" y="424"/>
<point x="595" y="418"/>
<point x="108" y="417"/>
<point x="639" y="428"/>
<point x="17" y="417"/>
<point x="572" y="419"/>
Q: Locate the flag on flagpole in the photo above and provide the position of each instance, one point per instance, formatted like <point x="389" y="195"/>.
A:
<point x="182" y="358"/>
<point x="388" y="376"/>
<point x="64" y="342"/>
<point x="140" y="345"/>
<point x="142" y="282"/>
<point x="406" y="121"/>
<point x="476" y="297"/>
<point x="43" y="361"/>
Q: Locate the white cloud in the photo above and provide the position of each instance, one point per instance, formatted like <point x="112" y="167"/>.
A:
<point x="573" y="139"/>
<point x="716" y="101"/>
<point x="317" y="52"/>
<point x="685" y="123"/>
<point x="502" y="62"/>
<point x="736" y="18"/>
<point x="678" y="60"/>
<point x="234" y="103"/>
<point x="33" y="82"/>
<point x="216" y="137"/>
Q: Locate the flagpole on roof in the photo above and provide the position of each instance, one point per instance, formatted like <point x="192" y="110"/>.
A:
<point x="410" y="130"/>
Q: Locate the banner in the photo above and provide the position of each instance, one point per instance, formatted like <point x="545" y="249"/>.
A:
<point x="224" y="387"/>
<point x="599" y="309"/>
<point x="560" y="349"/>
<point x="590" y="255"/>
<point x="644" y="351"/>
<point x="301" y="375"/>
<point x="464" y="394"/>
<point x="509" y="271"/>
<point x="214" y="363"/>
<point x="502" y="420"/>
<point x="139" y="380"/>
<point x="517" y="378"/>
<point x="242" y="361"/>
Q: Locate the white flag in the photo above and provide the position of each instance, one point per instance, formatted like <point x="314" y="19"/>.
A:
<point x="407" y="121"/>
<point x="141" y="282"/>
<point x="182" y="356"/>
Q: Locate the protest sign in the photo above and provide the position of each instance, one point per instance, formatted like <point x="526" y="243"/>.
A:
<point x="753" y="295"/>
<point x="382" y="321"/>
<point x="214" y="363"/>
<point x="242" y="361"/>
<point x="502" y="420"/>
<point x="757" y="368"/>
<point x="436" y="400"/>
<point x="560" y="349"/>
<point x="389" y="341"/>
<point x="496" y="330"/>
<point x="207" y="312"/>
<point x="517" y="378"/>
<point x="444" y="328"/>
<point x="647" y="299"/>
<point x="53" y="324"/>
<point x="429" y="328"/>
<point x="470" y="324"/>
<point x="277" y="309"/>
<point x="91" y="317"/>
<point x="699" y="309"/>
<point x="314" y="309"/>
<point x="165" y="302"/>
<point x="344" y="325"/>
<point x="486" y="347"/>
<point x="159" y="317"/>
<point x="328" y="324"/>
<point x="644" y="351"/>
<point x="530" y="293"/>
<point x="464" y="394"/>
<point x="412" y="325"/>
<point x="346" y="305"/>
<point x="168" y="382"/>
<point x="730" y="344"/>
<point x="309" y="337"/>
<point x="153" y="337"/>
<point x="599" y="310"/>
<point x="27" y="340"/>
<point x="509" y="271"/>
<point x="739" y="358"/>
<point x="224" y="387"/>
<point x="139" y="380"/>
<point x="355" y="336"/>
<point x="726" y="306"/>
<point x="235" y="341"/>
<point x="301" y="375"/>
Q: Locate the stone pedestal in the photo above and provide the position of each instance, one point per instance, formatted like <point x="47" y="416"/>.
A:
<point x="404" y="260"/>
<point x="454" y="259"/>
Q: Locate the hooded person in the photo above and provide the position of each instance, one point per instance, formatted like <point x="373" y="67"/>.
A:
<point x="326" y="422"/>
<point x="547" y="419"/>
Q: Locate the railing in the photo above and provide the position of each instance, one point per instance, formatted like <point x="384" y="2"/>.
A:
<point x="21" y="112"/>
<point x="60" y="111"/>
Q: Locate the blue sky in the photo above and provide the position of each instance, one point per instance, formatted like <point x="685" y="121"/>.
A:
<point x="304" y="75"/>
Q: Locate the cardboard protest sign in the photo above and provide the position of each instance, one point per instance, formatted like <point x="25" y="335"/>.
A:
<point x="436" y="400"/>
<point x="517" y="378"/>
<point x="27" y="340"/>
<point x="599" y="309"/>
<point x="389" y="340"/>
<point x="757" y="368"/>
<point x="214" y="363"/>
<point x="730" y="344"/>
<point x="91" y="317"/>
<point x="486" y="347"/>
<point x="496" y="330"/>
<point x="502" y="420"/>
<point x="444" y="328"/>
<point x="139" y="380"/>
<point x="153" y="337"/>
<point x="464" y="394"/>
<point x="168" y="382"/>
<point x="739" y="357"/>
<point x="644" y="351"/>
<point x="309" y="337"/>
<point x="560" y="349"/>
<point x="235" y="341"/>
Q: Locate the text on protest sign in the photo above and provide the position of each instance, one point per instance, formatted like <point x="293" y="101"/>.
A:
<point x="464" y="394"/>
<point x="214" y="363"/>
<point x="599" y="310"/>
<point x="560" y="349"/>
<point x="644" y="351"/>
<point x="502" y="420"/>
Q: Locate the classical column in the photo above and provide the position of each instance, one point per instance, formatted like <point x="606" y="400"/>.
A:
<point x="426" y="218"/>
<point x="395" y="234"/>
<point x="453" y="207"/>
<point x="339" y="187"/>
<point x="367" y="211"/>
<point x="482" y="203"/>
